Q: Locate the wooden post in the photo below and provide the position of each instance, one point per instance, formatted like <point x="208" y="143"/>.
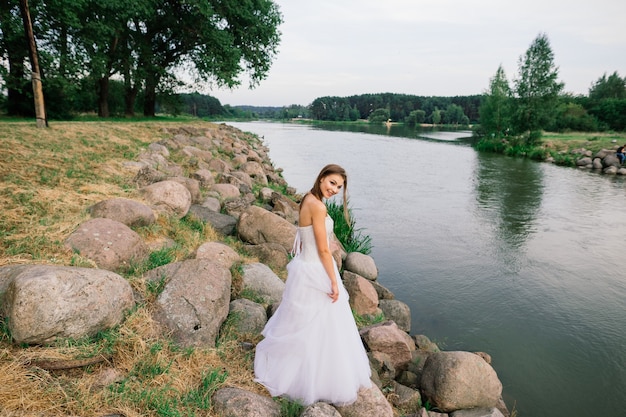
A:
<point x="40" y="108"/>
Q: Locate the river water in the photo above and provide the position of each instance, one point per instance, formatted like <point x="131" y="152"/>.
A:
<point x="523" y="260"/>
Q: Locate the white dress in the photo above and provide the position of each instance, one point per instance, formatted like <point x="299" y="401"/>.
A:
<point x="312" y="350"/>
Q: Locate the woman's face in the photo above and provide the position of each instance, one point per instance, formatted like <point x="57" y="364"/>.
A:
<point x="331" y="185"/>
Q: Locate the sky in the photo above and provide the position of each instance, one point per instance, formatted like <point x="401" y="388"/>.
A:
<point x="431" y="48"/>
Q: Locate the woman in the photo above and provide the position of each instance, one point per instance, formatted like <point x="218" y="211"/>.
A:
<point x="312" y="350"/>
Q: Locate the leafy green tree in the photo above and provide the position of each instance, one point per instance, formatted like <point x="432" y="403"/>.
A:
<point x="573" y="116"/>
<point x="537" y="88"/>
<point x="14" y="52"/>
<point x="435" y="116"/>
<point x="454" y="115"/>
<point x="496" y="110"/>
<point x="415" y="117"/>
<point x="605" y="87"/>
<point x="379" y="116"/>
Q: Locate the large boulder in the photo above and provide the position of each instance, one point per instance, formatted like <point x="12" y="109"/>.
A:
<point x="110" y="244"/>
<point x="236" y="402"/>
<point x="195" y="300"/>
<point x="361" y="264"/>
<point x="271" y="254"/>
<point x="129" y="212"/>
<point x="192" y="185"/>
<point x="388" y="338"/>
<point x="255" y="170"/>
<point x="222" y="223"/>
<point x="459" y="380"/>
<point x="478" y="412"/>
<point x="397" y="311"/>
<point x="320" y="409"/>
<point x="260" y="279"/>
<point x="217" y="252"/>
<point x="248" y="316"/>
<point x="45" y="302"/>
<point x="257" y="225"/>
<point x="226" y="191"/>
<point x="610" y="160"/>
<point x="169" y="197"/>
<point x="363" y="296"/>
<point x="370" y="402"/>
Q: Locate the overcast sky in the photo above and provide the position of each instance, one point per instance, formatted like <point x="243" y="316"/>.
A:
<point x="431" y="48"/>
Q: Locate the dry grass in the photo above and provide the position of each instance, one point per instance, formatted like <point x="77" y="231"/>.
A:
<point x="49" y="177"/>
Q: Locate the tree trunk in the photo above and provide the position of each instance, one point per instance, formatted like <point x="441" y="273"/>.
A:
<point x="130" y="96"/>
<point x="103" y="97"/>
<point x="40" y="108"/>
<point x="149" y="104"/>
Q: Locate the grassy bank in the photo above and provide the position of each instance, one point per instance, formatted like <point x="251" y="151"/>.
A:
<point x="49" y="177"/>
<point x="554" y="146"/>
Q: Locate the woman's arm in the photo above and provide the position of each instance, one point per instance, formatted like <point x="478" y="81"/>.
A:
<point x="318" y="216"/>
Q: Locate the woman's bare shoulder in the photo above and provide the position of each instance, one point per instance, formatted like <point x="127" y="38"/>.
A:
<point x="311" y="207"/>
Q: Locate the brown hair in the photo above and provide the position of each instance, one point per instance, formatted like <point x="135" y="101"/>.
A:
<point x="329" y="170"/>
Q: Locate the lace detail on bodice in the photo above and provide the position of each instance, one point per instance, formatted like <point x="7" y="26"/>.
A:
<point x="304" y="244"/>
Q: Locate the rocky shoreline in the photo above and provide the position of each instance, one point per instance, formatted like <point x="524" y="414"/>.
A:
<point x="224" y="177"/>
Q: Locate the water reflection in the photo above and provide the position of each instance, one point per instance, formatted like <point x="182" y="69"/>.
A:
<point x="398" y="130"/>
<point x="509" y="196"/>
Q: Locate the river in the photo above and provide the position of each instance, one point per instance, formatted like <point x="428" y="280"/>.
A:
<point x="523" y="260"/>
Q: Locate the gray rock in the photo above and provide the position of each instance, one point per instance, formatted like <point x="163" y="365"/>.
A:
<point x="263" y="281"/>
<point x="363" y="297"/>
<point x="424" y="343"/>
<point x="361" y="264"/>
<point x="459" y="380"/>
<point x="256" y="171"/>
<point x="129" y="212"/>
<point x="610" y="160"/>
<point x="205" y="177"/>
<point x="597" y="163"/>
<point x="212" y="204"/>
<point x="45" y="302"/>
<point x="397" y="311"/>
<point x="110" y="244"/>
<point x="236" y="402"/>
<point x="257" y="225"/>
<point x="169" y="197"/>
<point x="388" y="338"/>
<point x="271" y="254"/>
<point x="194" y="302"/>
<point x="192" y="185"/>
<point x="222" y="223"/>
<point x="250" y="317"/>
<point x="370" y="402"/>
<point x="383" y="293"/>
<point x="217" y="252"/>
<point x="478" y="412"/>
<point x="320" y="410"/>
<point x="406" y="399"/>
<point x="226" y="191"/>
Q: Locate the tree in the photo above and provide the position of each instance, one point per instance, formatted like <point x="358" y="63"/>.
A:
<point x="495" y="112"/>
<point x="218" y="40"/>
<point x="537" y="88"/>
<point x="14" y="51"/>
<point x="612" y="86"/>
<point x="454" y="115"/>
<point x="379" y="116"/>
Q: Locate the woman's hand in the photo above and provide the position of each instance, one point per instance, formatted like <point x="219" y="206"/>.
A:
<point x="335" y="292"/>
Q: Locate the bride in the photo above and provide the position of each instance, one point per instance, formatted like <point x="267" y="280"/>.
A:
<point x="311" y="349"/>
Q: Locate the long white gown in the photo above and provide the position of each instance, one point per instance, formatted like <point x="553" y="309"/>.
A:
<point x="312" y="350"/>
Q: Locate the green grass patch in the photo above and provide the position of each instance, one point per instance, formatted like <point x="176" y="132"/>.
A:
<point x="352" y="239"/>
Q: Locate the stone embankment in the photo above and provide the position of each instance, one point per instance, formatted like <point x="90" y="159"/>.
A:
<point x="232" y="187"/>
<point x="603" y="161"/>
